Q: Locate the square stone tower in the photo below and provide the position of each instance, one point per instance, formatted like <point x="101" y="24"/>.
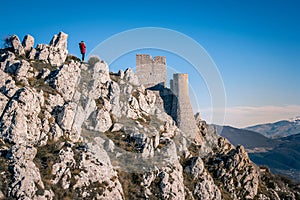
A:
<point x="151" y="72"/>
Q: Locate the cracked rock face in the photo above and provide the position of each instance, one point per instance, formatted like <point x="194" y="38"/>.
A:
<point x="78" y="131"/>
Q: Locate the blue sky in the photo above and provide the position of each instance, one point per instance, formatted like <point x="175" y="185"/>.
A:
<point x="255" y="44"/>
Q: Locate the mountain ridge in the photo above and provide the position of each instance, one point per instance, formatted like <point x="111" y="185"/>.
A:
<point x="278" y="129"/>
<point x="281" y="155"/>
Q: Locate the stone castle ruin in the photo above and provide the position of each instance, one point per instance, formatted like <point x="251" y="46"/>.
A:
<point x="151" y="72"/>
<point x="176" y="101"/>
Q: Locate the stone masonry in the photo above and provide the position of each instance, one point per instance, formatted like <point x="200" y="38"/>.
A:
<point x="176" y="101"/>
<point x="151" y="72"/>
<point x="183" y="111"/>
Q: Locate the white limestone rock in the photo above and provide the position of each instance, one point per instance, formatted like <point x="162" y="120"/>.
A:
<point x="3" y="102"/>
<point x="22" y="69"/>
<point x="28" y="42"/>
<point x="101" y="80"/>
<point x="239" y="175"/>
<point x="55" y="53"/>
<point x="65" y="118"/>
<point x="96" y="169"/>
<point x="143" y="144"/>
<point x="42" y="52"/>
<point x="12" y="66"/>
<point x="32" y="54"/>
<point x="202" y="185"/>
<point x="79" y="118"/>
<point x="116" y="127"/>
<point x="7" y="85"/>
<point x="144" y="106"/>
<point x="62" y="170"/>
<point x="6" y="57"/>
<point x="20" y="122"/>
<point x="16" y="45"/>
<point x="171" y="182"/>
<point x="103" y="121"/>
<point x="53" y="101"/>
<point x="56" y="133"/>
<point x="67" y="80"/>
<point x="151" y="98"/>
<point x="25" y="174"/>
<point x="59" y="41"/>
<point x="109" y="145"/>
<point x="58" y="49"/>
<point x="114" y="94"/>
<point x="131" y="78"/>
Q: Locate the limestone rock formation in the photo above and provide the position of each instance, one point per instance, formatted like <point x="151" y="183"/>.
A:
<point x="77" y="131"/>
<point x="28" y="43"/>
<point x="16" y="45"/>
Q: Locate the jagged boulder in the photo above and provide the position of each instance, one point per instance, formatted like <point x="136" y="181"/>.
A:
<point x="16" y="45"/>
<point x="199" y="182"/>
<point x="26" y="176"/>
<point x="20" y="122"/>
<point x="96" y="172"/>
<point x="131" y="78"/>
<point x="66" y="81"/>
<point x="65" y="117"/>
<point x="58" y="49"/>
<point x="171" y="182"/>
<point x="55" y="53"/>
<point x="28" y="43"/>
<point x="6" y="57"/>
<point x="8" y="85"/>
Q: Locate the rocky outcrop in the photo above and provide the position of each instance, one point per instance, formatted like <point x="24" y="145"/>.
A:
<point x="55" y="53"/>
<point x="16" y="45"/>
<point x="20" y="122"/>
<point x="78" y="131"/>
<point x="199" y="183"/>
<point x="28" y="43"/>
<point x="27" y="178"/>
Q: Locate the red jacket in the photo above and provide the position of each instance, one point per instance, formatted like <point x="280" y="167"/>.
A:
<point x="82" y="47"/>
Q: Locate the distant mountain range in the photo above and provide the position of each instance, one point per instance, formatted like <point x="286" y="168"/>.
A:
<point x="251" y="140"/>
<point x="281" y="155"/>
<point x="278" y="129"/>
<point x="283" y="159"/>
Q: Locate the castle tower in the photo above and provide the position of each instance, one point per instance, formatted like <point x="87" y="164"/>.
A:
<point x="151" y="72"/>
<point x="175" y="101"/>
<point x="182" y="110"/>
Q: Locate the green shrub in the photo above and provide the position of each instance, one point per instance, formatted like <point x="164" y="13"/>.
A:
<point x="7" y="42"/>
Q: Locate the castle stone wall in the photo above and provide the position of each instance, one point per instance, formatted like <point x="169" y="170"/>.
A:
<point x="183" y="112"/>
<point x="151" y="72"/>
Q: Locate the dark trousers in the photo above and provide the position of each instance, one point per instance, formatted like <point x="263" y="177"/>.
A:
<point x="82" y="58"/>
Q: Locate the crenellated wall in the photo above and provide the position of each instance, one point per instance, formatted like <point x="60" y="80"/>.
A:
<point x="151" y="72"/>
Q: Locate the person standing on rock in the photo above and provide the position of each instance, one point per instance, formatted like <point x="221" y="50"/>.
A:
<point x="82" y="48"/>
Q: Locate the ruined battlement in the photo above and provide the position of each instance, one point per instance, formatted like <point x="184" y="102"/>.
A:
<point x="151" y="72"/>
<point x="146" y="59"/>
<point x="176" y="100"/>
